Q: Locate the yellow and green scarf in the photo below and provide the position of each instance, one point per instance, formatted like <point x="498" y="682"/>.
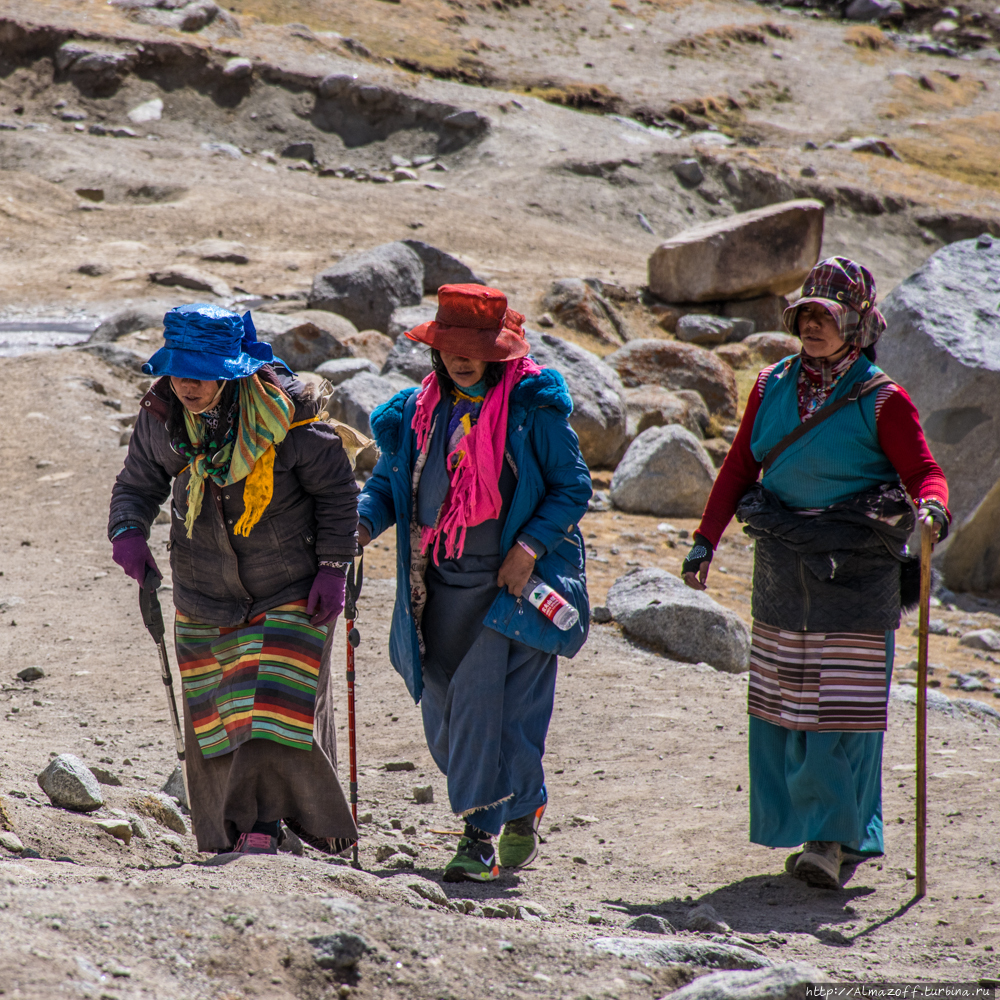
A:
<point x="265" y="420"/>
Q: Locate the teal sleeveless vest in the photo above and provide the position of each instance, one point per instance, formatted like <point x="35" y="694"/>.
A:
<point x="838" y="459"/>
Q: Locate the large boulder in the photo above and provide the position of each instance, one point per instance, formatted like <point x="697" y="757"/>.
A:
<point x="941" y="344"/>
<point x="70" y="784"/>
<point x="341" y="369"/>
<point x="666" y="472"/>
<point x="367" y="287"/>
<point x="369" y="344"/>
<point x="441" y="268"/>
<point x="765" y="312"/>
<point x="678" y="366"/>
<point x="305" y="347"/>
<point x="767" y="251"/>
<point x="581" y="305"/>
<point x="129" y="319"/>
<point x="185" y="276"/>
<point x="598" y="416"/>
<point x="353" y="401"/>
<point x="405" y="318"/>
<point x="659" y="609"/>
<point x="410" y="358"/>
<point x="769" y="348"/>
<point x="653" y="406"/>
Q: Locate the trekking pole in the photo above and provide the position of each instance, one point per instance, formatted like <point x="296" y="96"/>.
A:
<point x="152" y="618"/>
<point x="926" y="548"/>
<point x="351" y="594"/>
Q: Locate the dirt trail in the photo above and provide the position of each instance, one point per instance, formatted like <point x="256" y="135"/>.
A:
<point x="646" y="768"/>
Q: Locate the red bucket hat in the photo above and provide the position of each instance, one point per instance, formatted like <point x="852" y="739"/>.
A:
<point x="473" y="321"/>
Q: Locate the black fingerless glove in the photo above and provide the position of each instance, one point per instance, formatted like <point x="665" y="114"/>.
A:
<point x="701" y="551"/>
<point x="937" y="510"/>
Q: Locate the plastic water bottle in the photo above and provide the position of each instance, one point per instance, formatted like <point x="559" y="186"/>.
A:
<point x="554" y="606"/>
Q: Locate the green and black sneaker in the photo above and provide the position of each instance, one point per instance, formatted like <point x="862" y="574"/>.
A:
<point x="475" y="860"/>
<point x="519" y="840"/>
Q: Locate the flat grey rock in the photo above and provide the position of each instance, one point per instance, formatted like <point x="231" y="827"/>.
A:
<point x="650" y="923"/>
<point x="671" y="950"/>
<point x="341" y="369"/>
<point x="697" y="328"/>
<point x="780" y="982"/>
<point x="339" y="951"/>
<point x="405" y="318"/>
<point x="70" y="784"/>
<point x="657" y="608"/>
<point x="599" y="416"/>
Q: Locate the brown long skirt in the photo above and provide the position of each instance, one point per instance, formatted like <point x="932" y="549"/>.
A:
<point x="261" y="781"/>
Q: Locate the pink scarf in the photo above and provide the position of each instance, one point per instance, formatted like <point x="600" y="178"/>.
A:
<point x="474" y="495"/>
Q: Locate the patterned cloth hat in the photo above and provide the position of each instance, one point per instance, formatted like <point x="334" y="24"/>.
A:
<point x="847" y="291"/>
<point x="473" y="321"/>
<point x="205" y="342"/>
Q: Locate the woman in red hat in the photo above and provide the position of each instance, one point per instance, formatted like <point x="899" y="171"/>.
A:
<point x="482" y="476"/>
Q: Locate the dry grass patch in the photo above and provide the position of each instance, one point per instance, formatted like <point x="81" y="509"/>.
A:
<point x="868" y="38"/>
<point x="727" y="35"/>
<point x="966" y="150"/>
<point x="929" y="92"/>
<point x="574" y="94"/>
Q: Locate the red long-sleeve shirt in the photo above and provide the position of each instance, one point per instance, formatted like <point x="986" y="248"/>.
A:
<point x="900" y="436"/>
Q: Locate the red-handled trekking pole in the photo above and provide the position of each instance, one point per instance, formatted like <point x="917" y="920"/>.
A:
<point x="351" y="594"/>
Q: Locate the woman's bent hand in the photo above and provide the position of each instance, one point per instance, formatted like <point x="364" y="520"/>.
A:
<point x="516" y="570"/>
<point x="696" y="581"/>
<point x="364" y="536"/>
<point x="695" y="566"/>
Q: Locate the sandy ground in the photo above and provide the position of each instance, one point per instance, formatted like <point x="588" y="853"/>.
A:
<point x="646" y="768"/>
<point x="646" y="760"/>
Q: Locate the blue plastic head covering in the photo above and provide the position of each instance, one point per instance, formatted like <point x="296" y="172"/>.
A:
<point x="208" y="343"/>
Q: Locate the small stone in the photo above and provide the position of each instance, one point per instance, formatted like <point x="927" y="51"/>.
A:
<point x="595" y="918"/>
<point x="400" y="765"/>
<point x="29" y="674"/>
<point x="173" y="843"/>
<point x="807" y="172"/>
<point x="342" y="950"/>
<point x="385" y="851"/>
<point x="494" y="912"/>
<point x="365" y="818"/>
<point x="104" y="776"/>
<point x="94" y="269"/>
<point x="689" y="173"/>
<point x="423" y="794"/>
<point x="69" y="784"/>
<point x="400" y="161"/>
<point x="174" y="787"/>
<point x="404" y="174"/>
<point x="11" y="842"/>
<point x="705" y="918"/>
<point x="237" y="68"/>
<point x="428" y="890"/>
<point x="579" y="861"/>
<point x="120" y="829"/>
<point x="523" y="913"/>
<point x="124" y="437"/>
<point x="162" y="808"/>
<point x="600" y="614"/>
<point x="410" y="831"/>
<point x="649" y="923"/>
<point x="910" y="874"/>
<point x="139" y="828"/>
<point x="148" y="111"/>
<point x="546" y="320"/>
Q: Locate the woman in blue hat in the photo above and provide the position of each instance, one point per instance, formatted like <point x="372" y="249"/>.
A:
<point x="263" y="526"/>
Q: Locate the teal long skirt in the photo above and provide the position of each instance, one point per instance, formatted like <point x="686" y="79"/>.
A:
<point x="817" y="786"/>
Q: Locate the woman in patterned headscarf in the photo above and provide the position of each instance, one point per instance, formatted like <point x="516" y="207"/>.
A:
<point x="837" y="442"/>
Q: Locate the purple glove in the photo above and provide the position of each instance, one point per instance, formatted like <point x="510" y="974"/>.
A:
<point x="131" y="551"/>
<point x="326" y="597"/>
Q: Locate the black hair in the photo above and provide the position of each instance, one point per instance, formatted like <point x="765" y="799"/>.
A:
<point x="175" y="417"/>
<point x="493" y="375"/>
<point x="870" y="353"/>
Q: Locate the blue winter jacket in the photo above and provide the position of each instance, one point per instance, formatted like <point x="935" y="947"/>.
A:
<point x="552" y="492"/>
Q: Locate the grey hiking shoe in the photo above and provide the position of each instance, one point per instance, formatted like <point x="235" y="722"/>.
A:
<point x="819" y="864"/>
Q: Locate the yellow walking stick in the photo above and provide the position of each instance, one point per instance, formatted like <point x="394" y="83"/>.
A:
<point x="927" y="537"/>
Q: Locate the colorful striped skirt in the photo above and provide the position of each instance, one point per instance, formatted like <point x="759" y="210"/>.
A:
<point x="819" y="681"/>
<point x="253" y="682"/>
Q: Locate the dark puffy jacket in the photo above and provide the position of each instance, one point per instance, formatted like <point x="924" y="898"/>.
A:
<point x="837" y="571"/>
<point x="220" y="578"/>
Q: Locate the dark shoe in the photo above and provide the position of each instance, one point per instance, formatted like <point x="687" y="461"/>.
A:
<point x="518" y="844"/>
<point x="256" y="843"/>
<point x="336" y="846"/>
<point x="819" y="864"/>
<point x="475" y="860"/>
